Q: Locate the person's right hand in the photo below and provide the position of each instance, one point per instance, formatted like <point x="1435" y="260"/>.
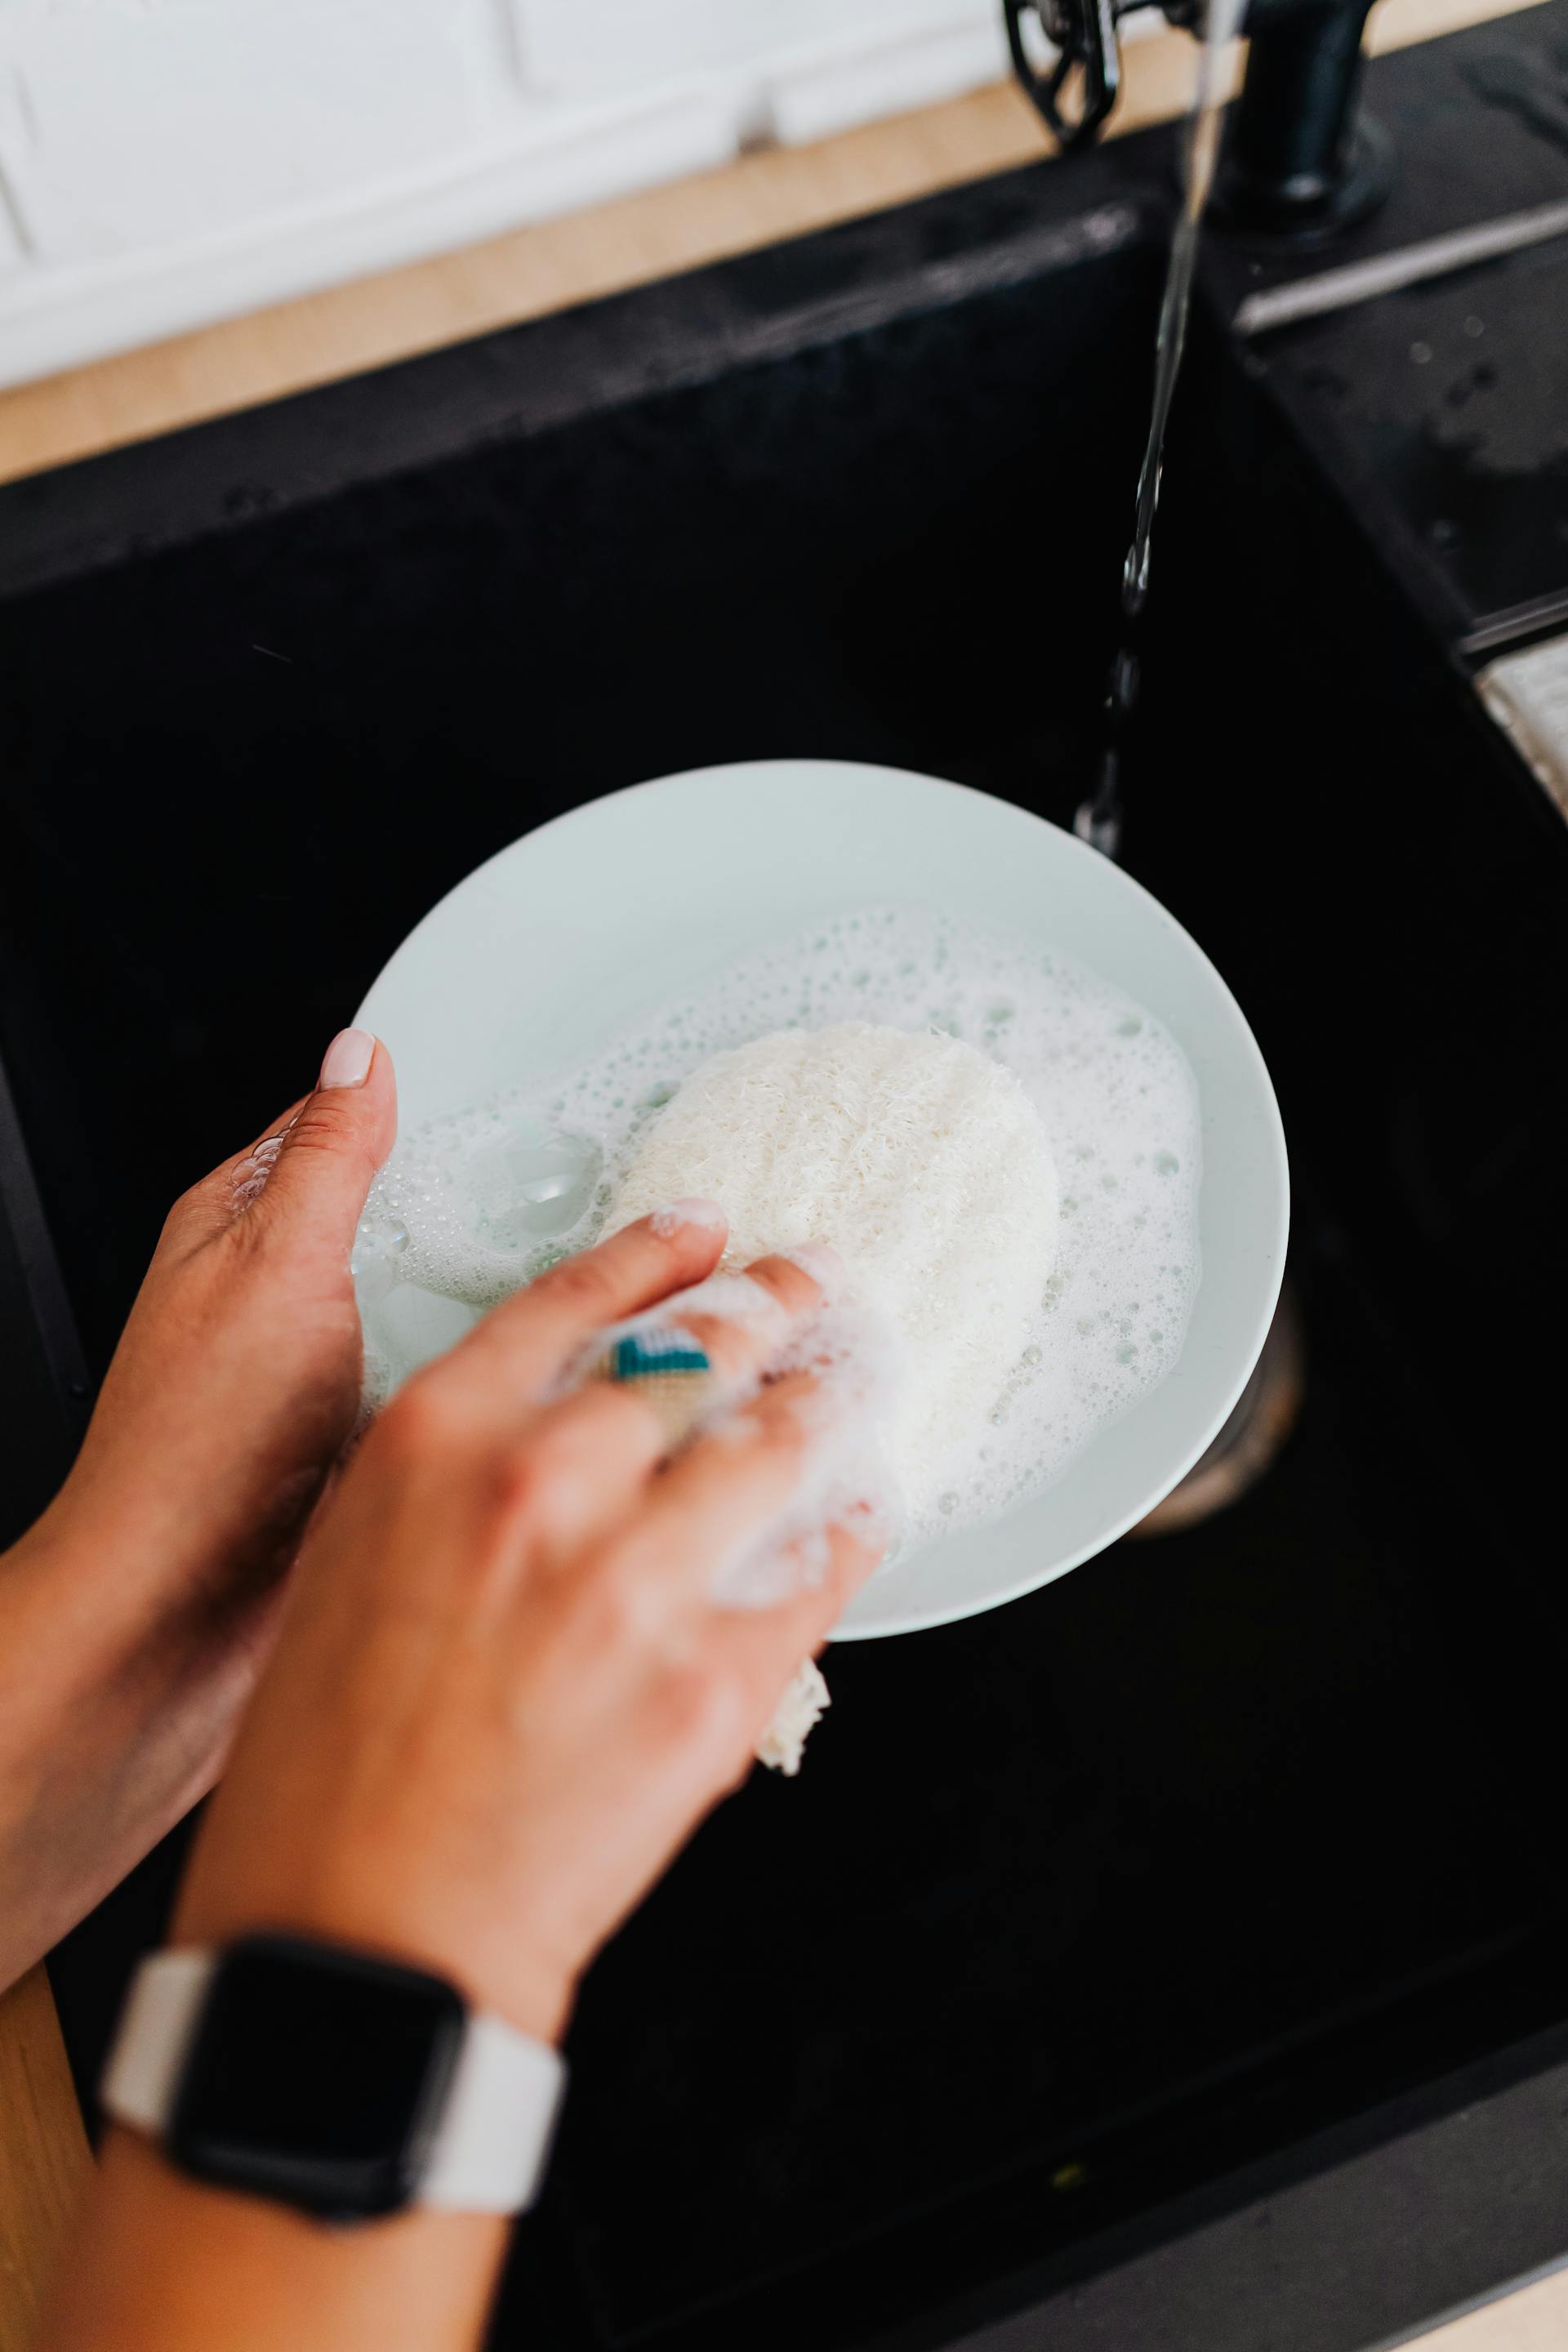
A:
<point x="501" y="1698"/>
<point x="502" y="1695"/>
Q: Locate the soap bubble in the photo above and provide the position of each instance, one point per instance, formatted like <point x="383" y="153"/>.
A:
<point x="490" y="1198"/>
<point x="531" y="1185"/>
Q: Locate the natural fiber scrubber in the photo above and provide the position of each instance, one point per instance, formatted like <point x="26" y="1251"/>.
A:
<point x="925" y="1163"/>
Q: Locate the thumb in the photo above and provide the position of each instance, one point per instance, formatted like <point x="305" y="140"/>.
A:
<point x="327" y="1158"/>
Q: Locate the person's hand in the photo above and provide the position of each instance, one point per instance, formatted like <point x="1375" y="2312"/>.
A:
<point x="504" y="1694"/>
<point x="135" y="1616"/>
<point x="501" y="1697"/>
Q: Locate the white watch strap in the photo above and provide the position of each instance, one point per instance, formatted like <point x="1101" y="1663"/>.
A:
<point x="491" y="2141"/>
<point x="152" y="2037"/>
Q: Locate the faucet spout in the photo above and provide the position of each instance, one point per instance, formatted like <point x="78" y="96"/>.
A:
<point x="1303" y="161"/>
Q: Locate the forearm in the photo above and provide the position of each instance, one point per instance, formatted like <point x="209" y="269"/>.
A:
<point x="169" y="2264"/>
<point x="109" y="1732"/>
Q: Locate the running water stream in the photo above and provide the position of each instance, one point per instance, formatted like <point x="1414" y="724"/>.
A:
<point x="1098" y="819"/>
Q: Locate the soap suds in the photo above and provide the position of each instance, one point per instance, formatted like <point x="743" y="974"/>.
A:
<point x="470" y="1208"/>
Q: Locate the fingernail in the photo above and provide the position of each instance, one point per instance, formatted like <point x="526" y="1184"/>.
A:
<point x="348" y="1059"/>
<point x="706" y="1213"/>
<point x="822" y="1262"/>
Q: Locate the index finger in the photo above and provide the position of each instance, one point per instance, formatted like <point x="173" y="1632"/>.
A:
<point x="521" y="1345"/>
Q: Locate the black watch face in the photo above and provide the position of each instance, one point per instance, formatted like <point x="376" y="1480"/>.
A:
<point x="316" y="2076"/>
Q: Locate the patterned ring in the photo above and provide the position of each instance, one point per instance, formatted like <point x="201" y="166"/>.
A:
<point x="669" y="1370"/>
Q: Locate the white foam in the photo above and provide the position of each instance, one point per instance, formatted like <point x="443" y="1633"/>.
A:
<point x="490" y="1198"/>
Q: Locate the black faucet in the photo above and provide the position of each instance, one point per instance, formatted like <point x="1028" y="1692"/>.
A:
<point x="1302" y="161"/>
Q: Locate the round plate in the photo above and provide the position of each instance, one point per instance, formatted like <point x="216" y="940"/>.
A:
<point x="538" y="957"/>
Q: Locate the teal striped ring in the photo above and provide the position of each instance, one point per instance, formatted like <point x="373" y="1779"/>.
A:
<point x="668" y="1370"/>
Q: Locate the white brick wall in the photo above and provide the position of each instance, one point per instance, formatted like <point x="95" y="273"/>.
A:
<point x="583" y="48"/>
<point x="135" y="127"/>
<point x="163" y="163"/>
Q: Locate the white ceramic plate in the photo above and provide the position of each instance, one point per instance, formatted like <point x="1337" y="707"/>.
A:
<point x="538" y="957"/>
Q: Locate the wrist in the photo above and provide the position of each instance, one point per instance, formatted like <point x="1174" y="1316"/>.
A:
<point x="173" y="1553"/>
<point x="98" y="1757"/>
<point x="338" y="2084"/>
<point x="126" y="1620"/>
<point x="530" y="1993"/>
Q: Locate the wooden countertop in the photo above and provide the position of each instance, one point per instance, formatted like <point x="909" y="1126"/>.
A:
<point x="761" y="198"/>
<point x="44" y="2159"/>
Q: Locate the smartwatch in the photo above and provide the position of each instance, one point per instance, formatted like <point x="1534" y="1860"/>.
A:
<point x="331" y="2080"/>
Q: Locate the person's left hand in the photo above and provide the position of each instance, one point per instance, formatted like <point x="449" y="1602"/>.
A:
<point x="135" y="1615"/>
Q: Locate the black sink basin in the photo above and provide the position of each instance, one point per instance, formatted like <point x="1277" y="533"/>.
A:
<point x="1235" y="1850"/>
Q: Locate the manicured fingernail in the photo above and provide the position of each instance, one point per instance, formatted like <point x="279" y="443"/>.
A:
<point x="822" y="1262"/>
<point x="348" y="1059"/>
<point x="708" y="1214"/>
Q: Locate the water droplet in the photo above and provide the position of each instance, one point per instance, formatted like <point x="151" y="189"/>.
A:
<point x="376" y="1245"/>
<point x="947" y="1502"/>
<point x="1165" y="1163"/>
<point x="532" y="1185"/>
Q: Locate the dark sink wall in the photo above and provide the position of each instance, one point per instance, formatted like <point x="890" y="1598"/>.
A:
<point x="236" y="772"/>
